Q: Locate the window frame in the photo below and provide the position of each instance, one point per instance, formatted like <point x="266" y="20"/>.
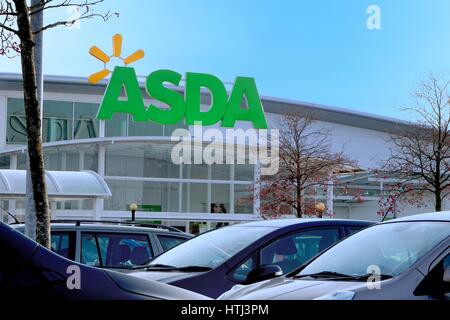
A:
<point x="256" y="254"/>
<point x="72" y="241"/>
<point x="96" y="234"/>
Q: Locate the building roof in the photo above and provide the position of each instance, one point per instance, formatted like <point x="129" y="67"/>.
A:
<point x="79" y="85"/>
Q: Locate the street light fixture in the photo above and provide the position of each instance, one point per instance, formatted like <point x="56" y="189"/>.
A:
<point x="133" y="207"/>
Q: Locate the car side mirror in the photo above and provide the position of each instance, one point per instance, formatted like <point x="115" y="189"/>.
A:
<point x="446" y="277"/>
<point x="264" y="272"/>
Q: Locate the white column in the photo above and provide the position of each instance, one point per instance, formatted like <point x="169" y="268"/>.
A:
<point x="231" y="201"/>
<point x="12" y="203"/>
<point x="208" y="190"/>
<point x="99" y="203"/>
<point x="101" y="129"/>
<point x="3" y="121"/>
<point x="180" y="188"/>
<point x="64" y="161"/>
<point x="53" y="207"/>
<point x="257" y="190"/>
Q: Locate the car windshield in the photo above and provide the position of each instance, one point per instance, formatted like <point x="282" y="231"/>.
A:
<point x="210" y="249"/>
<point x="386" y="249"/>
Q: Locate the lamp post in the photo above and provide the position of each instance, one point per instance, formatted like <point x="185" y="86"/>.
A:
<point x="133" y="207"/>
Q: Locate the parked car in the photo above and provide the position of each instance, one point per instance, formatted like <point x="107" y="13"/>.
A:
<point x="30" y="271"/>
<point x="407" y="258"/>
<point x="212" y="262"/>
<point x="110" y="244"/>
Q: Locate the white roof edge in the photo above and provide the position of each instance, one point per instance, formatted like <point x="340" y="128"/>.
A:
<point x="83" y="81"/>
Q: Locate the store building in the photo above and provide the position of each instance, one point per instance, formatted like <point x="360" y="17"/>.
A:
<point x="134" y="158"/>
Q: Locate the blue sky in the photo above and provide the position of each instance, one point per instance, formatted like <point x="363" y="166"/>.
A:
<point x="316" y="51"/>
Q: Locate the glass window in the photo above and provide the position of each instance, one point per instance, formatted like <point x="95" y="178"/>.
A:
<point x="89" y="250"/>
<point x="446" y="262"/>
<point x="117" y="126"/>
<point x="354" y="230"/>
<point x="52" y="161"/>
<point x="21" y="161"/>
<point x="168" y="129"/>
<point x="150" y="196"/>
<point x="241" y="272"/>
<point x="243" y="198"/>
<point x="85" y="122"/>
<point x="195" y="197"/>
<point x="144" y="129"/>
<point x="292" y="251"/>
<point x="72" y="161"/>
<point x="394" y="247"/>
<point x="16" y="132"/>
<point x="91" y="160"/>
<point x="244" y="172"/>
<point x="220" y="196"/>
<point x="195" y="171"/>
<point x="220" y="171"/>
<point x="5" y="162"/>
<point x="140" y="160"/>
<point x="119" y="250"/>
<point x="213" y="248"/>
<point x="168" y="242"/>
<point x="57" y="124"/>
<point x="63" y="243"/>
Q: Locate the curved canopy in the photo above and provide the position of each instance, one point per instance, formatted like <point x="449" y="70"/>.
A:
<point x="61" y="185"/>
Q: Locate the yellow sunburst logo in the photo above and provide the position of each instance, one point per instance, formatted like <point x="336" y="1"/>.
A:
<point x="117" y="53"/>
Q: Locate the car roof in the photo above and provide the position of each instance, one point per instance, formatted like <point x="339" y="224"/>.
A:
<point x="107" y="227"/>
<point x="432" y="216"/>
<point x="281" y="223"/>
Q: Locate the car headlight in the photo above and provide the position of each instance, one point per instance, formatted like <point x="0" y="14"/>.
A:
<point x="337" y="295"/>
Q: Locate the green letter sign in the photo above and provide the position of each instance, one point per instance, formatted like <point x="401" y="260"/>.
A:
<point x="221" y="108"/>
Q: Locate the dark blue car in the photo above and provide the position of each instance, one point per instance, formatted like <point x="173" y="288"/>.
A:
<point x="215" y="261"/>
<point x="30" y="271"/>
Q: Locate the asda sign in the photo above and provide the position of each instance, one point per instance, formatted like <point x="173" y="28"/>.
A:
<point x="223" y="108"/>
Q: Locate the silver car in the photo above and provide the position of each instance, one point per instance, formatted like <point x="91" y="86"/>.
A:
<point x="407" y="258"/>
<point x="110" y="244"/>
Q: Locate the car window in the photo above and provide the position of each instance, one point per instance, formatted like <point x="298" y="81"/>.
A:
<point x="293" y="250"/>
<point x="89" y="250"/>
<point x="393" y="247"/>
<point x="212" y="248"/>
<point x="447" y="262"/>
<point x="240" y="274"/>
<point x="63" y="243"/>
<point x="353" y="230"/>
<point x="433" y="284"/>
<point x="116" y="250"/>
<point x="168" y="242"/>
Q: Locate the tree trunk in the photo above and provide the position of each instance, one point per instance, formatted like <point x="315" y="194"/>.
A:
<point x="33" y="119"/>
<point x="438" y="200"/>
<point x="299" y="201"/>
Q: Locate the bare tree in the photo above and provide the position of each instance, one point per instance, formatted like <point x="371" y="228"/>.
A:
<point x="306" y="163"/>
<point x="16" y="38"/>
<point x="420" y="154"/>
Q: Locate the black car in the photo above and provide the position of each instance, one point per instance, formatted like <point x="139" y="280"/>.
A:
<point x="30" y="271"/>
<point x="215" y="261"/>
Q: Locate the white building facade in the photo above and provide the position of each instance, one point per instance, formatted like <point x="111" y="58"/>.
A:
<point x="134" y="158"/>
